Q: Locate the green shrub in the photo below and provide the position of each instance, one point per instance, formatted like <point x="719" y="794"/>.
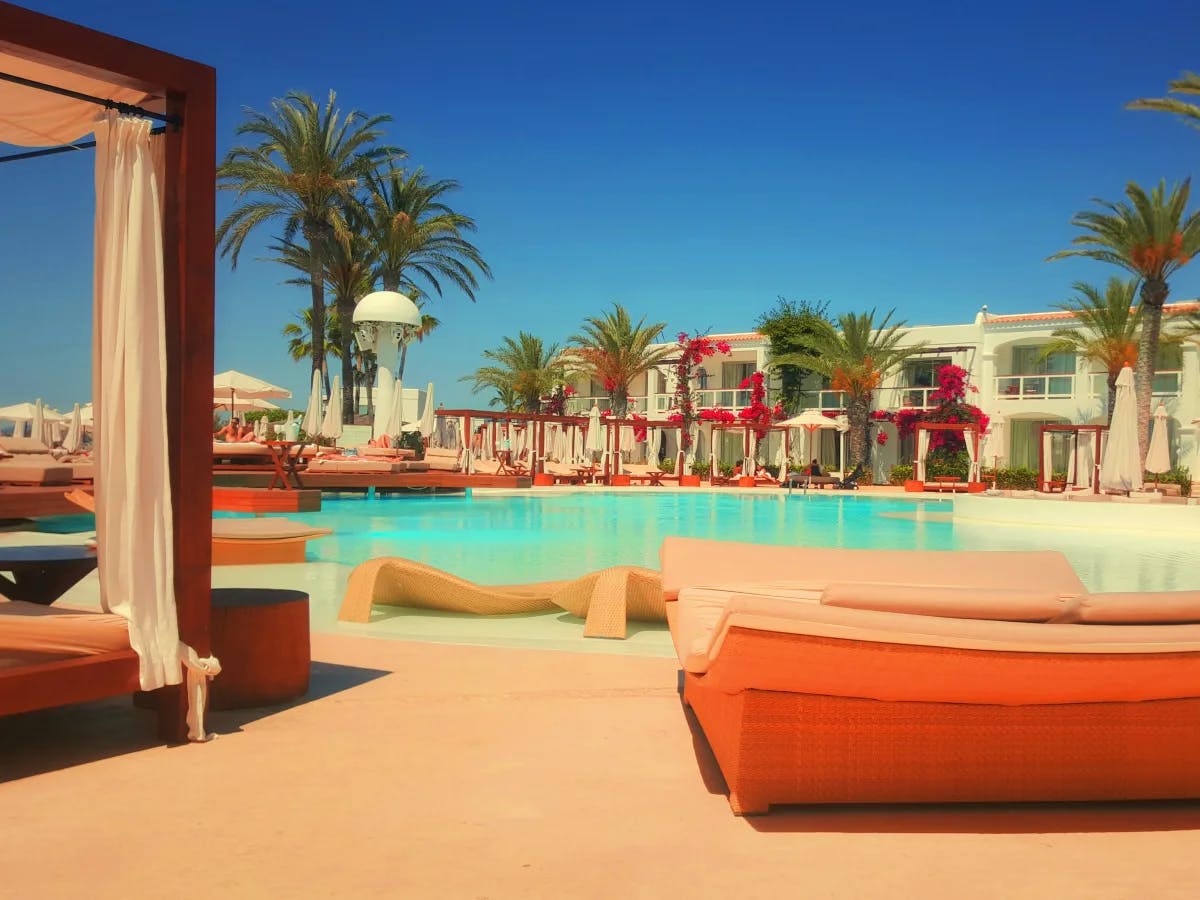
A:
<point x="1019" y="479"/>
<point x="726" y="469"/>
<point x="667" y="465"/>
<point x="900" y="474"/>
<point x="1178" y="475"/>
<point x="700" y="468"/>
<point x="941" y="463"/>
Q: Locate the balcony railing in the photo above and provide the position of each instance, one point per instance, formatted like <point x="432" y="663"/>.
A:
<point x="822" y="400"/>
<point x="581" y="406"/>
<point x="1168" y="383"/>
<point x="905" y="398"/>
<point x="1035" y="387"/>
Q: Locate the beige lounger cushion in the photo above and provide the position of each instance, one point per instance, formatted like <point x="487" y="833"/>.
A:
<point x="994" y="603"/>
<point x="273" y="528"/>
<point x="19" y="445"/>
<point x="364" y="466"/>
<point x="786" y="616"/>
<point x="694" y="562"/>
<point x="1134" y="608"/>
<point x="30" y="632"/>
<point x="19" y="470"/>
<point x="396" y="452"/>
<point x="442" y="459"/>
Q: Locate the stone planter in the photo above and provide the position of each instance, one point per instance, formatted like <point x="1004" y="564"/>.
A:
<point x="689" y="481"/>
<point x="541" y="479"/>
<point x="746" y="481"/>
<point x="620" y="481"/>
<point x="912" y="486"/>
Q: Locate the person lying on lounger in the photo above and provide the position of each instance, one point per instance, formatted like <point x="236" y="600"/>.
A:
<point x="235" y="433"/>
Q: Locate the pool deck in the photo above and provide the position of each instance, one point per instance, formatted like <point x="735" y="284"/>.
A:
<point x="422" y="770"/>
<point x="449" y="756"/>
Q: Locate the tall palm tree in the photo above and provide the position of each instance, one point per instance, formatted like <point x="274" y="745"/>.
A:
<point x="1105" y="330"/>
<point x="613" y="350"/>
<point x="418" y="239"/>
<point x="348" y="277"/>
<point x="1187" y="83"/>
<point x="857" y="355"/>
<point x="299" y="337"/>
<point x="524" y="366"/>
<point x="1151" y="237"/>
<point x="303" y="173"/>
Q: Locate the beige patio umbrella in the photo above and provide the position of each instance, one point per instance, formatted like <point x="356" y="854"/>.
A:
<point x="1158" y="457"/>
<point x="593" y="442"/>
<point x="38" y="429"/>
<point x="811" y="421"/>
<point x="331" y="425"/>
<point x="239" y="384"/>
<point x="1120" y="461"/>
<point x="311" y="423"/>
<point x="241" y="404"/>
<point x="74" y="437"/>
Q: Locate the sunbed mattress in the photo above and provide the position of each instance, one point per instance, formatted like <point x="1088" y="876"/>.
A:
<point x="32" y="633"/>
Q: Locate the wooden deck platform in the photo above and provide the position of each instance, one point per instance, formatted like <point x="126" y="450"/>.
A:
<point x="335" y="481"/>
<point x="20" y="502"/>
<point x="261" y="500"/>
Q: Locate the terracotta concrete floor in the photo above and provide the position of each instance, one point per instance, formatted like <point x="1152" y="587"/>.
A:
<point x="435" y="771"/>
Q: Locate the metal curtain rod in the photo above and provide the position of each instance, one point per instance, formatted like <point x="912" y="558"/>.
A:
<point x="125" y="108"/>
<point x="66" y="148"/>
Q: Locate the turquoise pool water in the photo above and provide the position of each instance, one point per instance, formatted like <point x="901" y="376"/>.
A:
<point x="532" y="537"/>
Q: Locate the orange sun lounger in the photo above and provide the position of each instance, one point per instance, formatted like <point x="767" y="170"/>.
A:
<point x="861" y="676"/>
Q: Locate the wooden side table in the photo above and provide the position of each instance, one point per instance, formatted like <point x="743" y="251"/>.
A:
<point x="260" y="635"/>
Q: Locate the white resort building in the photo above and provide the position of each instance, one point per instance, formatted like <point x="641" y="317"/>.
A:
<point x="1017" y="387"/>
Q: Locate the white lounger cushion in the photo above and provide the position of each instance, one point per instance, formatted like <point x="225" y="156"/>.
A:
<point x="702" y="632"/>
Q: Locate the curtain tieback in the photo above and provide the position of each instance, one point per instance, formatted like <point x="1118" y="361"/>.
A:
<point x="200" y="671"/>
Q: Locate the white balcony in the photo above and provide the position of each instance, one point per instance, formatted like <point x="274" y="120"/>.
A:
<point x="1168" y="383"/>
<point x="905" y="398"/>
<point x="822" y="400"/>
<point x="1035" y="387"/>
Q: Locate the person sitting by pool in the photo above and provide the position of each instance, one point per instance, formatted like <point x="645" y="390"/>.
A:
<point x="814" y="468"/>
<point x="235" y="433"/>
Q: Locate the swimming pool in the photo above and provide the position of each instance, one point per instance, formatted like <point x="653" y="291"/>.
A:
<point x="538" y="536"/>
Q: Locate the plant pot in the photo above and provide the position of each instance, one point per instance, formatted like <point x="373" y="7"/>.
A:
<point x="620" y="481"/>
<point x="912" y="486"/>
<point x="541" y="479"/>
<point x="747" y="481"/>
<point x="689" y="481"/>
<point x="976" y="487"/>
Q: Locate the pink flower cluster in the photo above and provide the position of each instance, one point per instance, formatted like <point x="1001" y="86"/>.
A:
<point x="758" y="414"/>
<point x="692" y="353"/>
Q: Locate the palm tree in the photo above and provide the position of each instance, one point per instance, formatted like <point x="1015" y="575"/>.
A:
<point x="304" y="173"/>
<point x="347" y="274"/>
<point x="299" y="337"/>
<point x="524" y="366"/>
<point x="506" y="398"/>
<point x="417" y="237"/>
<point x="1151" y="237"/>
<point x="857" y="355"/>
<point x="1188" y="83"/>
<point x="614" y="351"/>
<point x="1105" y="330"/>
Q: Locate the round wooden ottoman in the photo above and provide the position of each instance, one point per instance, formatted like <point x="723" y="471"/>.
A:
<point x="260" y="636"/>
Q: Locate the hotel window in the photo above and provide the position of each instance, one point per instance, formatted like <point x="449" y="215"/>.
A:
<point x="922" y="373"/>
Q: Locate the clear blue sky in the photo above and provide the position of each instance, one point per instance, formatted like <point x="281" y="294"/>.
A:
<point x="690" y="160"/>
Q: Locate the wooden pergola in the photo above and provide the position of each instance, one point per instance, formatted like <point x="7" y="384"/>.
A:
<point x="1045" y="484"/>
<point x="189" y="97"/>
<point x="970" y="432"/>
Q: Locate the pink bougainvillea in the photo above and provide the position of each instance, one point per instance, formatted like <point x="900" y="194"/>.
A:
<point x="951" y="409"/>
<point x="758" y="414"/>
<point x="692" y="353"/>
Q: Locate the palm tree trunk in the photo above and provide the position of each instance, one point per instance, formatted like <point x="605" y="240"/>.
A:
<point x="371" y="372"/>
<point x="1154" y="295"/>
<point x="618" y="401"/>
<point x="1112" y="393"/>
<point x="316" y="277"/>
<point x="858" y="411"/>
<point x="346" y="314"/>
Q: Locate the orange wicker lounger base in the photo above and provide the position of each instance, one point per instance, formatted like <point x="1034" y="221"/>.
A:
<point x="783" y="747"/>
<point x="260" y="553"/>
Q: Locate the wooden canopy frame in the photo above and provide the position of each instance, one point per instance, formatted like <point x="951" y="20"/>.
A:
<point x="189" y="219"/>
<point x="961" y="427"/>
<point x="1097" y="432"/>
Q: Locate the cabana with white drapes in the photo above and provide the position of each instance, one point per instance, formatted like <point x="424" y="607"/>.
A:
<point x="152" y="345"/>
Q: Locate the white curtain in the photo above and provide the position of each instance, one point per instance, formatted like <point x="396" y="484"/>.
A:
<point x="653" y="444"/>
<point x="1071" y="457"/>
<point x="751" y="464"/>
<point x="464" y="441"/>
<point x="1085" y="462"/>
<point x="969" y="441"/>
<point x="1047" y="456"/>
<point x="922" y="451"/>
<point x="129" y="378"/>
<point x="331" y="424"/>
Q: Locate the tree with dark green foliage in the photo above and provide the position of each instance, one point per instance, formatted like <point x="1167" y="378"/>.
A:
<point x="787" y="326"/>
